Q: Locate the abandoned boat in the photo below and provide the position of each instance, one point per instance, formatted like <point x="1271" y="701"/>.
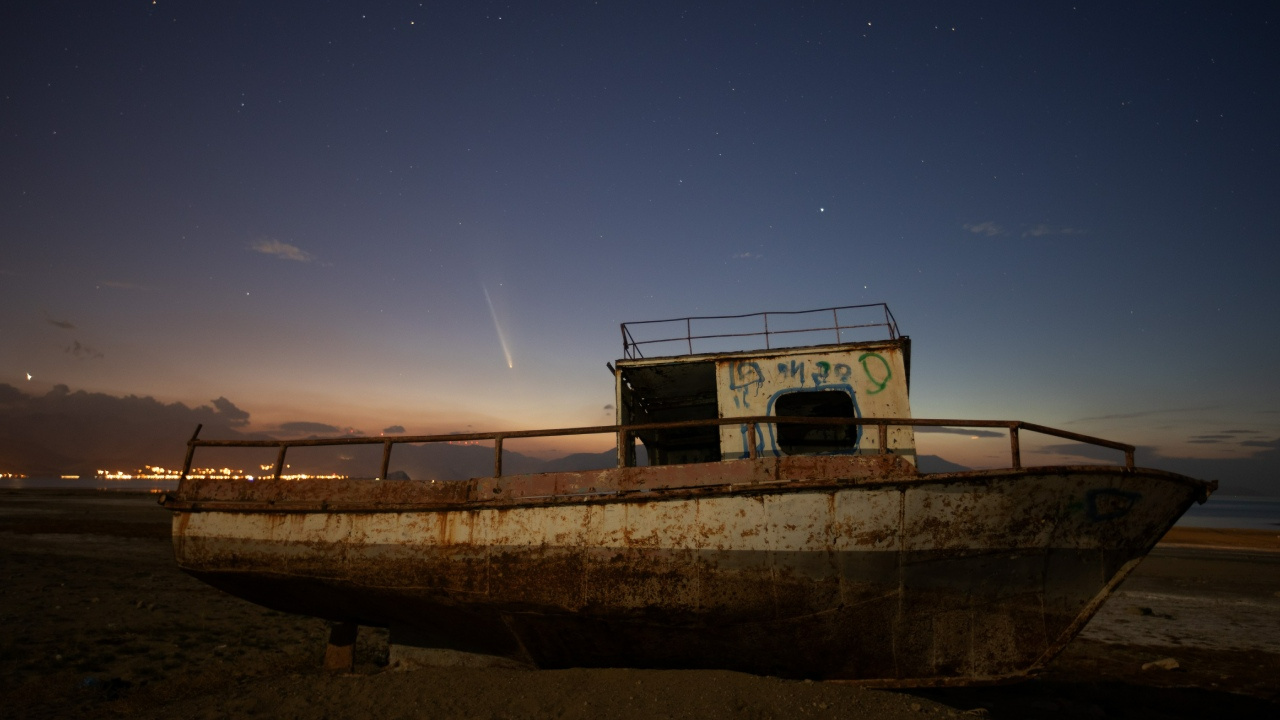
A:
<point x="777" y="525"/>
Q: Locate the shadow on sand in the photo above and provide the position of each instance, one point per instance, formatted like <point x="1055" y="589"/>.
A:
<point x="1107" y="699"/>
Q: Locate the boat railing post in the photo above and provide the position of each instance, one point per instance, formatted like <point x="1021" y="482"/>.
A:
<point x="191" y="453"/>
<point x="883" y="431"/>
<point x="1014" y="449"/>
<point x="497" y="456"/>
<point x="751" y="441"/>
<point x="1128" y="458"/>
<point x="386" y="459"/>
<point x="280" y="460"/>
<point x="688" y="333"/>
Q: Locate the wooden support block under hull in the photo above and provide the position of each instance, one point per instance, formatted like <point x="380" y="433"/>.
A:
<point x="340" y="654"/>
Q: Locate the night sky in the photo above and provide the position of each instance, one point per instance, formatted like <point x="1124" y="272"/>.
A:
<point x="301" y="207"/>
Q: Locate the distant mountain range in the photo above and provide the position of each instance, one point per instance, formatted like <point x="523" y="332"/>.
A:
<point x="66" y="432"/>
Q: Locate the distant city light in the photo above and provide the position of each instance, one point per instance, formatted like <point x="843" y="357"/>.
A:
<point x="155" y="472"/>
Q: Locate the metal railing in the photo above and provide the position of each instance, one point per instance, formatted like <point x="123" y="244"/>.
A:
<point x="626" y="435"/>
<point x="631" y="346"/>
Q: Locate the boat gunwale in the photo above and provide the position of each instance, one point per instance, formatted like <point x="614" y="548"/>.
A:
<point x="778" y="486"/>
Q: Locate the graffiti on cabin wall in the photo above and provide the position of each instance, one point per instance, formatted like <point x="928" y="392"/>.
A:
<point x="750" y="387"/>
<point x="745" y="380"/>
<point x="824" y="373"/>
<point x="878" y="384"/>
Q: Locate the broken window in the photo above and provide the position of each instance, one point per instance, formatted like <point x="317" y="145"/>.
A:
<point x="800" y="439"/>
<point x="673" y="392"/>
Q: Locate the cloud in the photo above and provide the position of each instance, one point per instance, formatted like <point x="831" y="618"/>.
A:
<point x="961" y="431"/>
<point x="1094" y="452"/>
<point x="282" y="250"/>
<point x="313" y="428"/>
<point x="65" y="325"/>
<point x="393" y="430"/>
<point x="78" y="432"/>
<point x="83" y="352"/>
<point x="233" y="415"/>
<point x="1041" y="230"/>
<point x="747" y="256"/>
<point x="1144" y="413"/>
<point x="1253" y="474"/>
<point x="988" y="228"/>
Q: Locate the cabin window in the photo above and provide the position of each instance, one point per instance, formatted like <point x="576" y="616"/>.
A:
<point x="800" y="439"/>
<point x="673" y="392"/>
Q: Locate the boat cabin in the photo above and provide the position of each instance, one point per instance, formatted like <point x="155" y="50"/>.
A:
<point x="846" y="362"/>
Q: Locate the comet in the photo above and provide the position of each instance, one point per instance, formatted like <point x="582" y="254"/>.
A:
<point x="502" y="339"/>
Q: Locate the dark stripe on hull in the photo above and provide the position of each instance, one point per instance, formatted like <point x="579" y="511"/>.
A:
<point x="875" y="615"/>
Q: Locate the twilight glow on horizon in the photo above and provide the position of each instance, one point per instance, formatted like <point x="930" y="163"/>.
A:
<point x="435" y="215"/>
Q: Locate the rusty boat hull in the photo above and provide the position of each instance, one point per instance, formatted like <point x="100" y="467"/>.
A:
<point x="849" y="567"/>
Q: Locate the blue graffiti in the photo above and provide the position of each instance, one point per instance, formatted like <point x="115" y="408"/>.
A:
<point x="820" y="377"/>
<point x="745" y="378"/>
<point x="795" y="369"/>
<point x="766" y="439"/>
<point x="824" y="372"/>
<point x="827" y="374"/>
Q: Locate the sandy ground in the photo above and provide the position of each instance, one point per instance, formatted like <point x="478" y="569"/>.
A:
<point x="1216" y="538"/>
<point x="99" y="623"/>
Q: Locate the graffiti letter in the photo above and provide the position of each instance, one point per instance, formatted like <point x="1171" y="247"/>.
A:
<point x="824" y="369"/>
<point x="792" y="371"/>
<point x="888" y="373"/>
<point x="843" y="372"/>
<point x="745" y="376"/>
